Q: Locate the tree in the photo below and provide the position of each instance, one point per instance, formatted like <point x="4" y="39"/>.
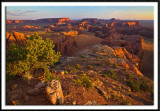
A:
<point x="36" y="53"/>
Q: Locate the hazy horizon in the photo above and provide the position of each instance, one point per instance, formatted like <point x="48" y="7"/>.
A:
<point x="80" y="12"/>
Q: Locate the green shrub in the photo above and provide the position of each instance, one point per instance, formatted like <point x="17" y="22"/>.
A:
<point x="78" y="66"/>
<point x="127" y="102"/>
<point x="104" y="75"/>
<point x="112" y="73"/>
<point x="90" y="67"/>
<point x="114" y="96"/>
<point x="35" y="53"/>
<point x="144" y="86"/>
<point x="82" y="73"/>
<point x="48" y="77"/>
<point x="66" y="72"/>
<point x="85" y="81"/>
<point x="133" y="85"/>
<point x="73" y="70"/>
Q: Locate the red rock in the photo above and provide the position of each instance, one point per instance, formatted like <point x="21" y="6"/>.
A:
<point x="16" y="37"/>
<point x="119" y="52"/>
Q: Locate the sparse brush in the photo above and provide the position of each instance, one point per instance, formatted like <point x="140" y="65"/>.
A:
<point x="144" y="86"/>
<point x="114" y="96"/>
<point x="104" y="75"/>
<point x="133" y="85"/>
<point x="112" y="73"/>
<point x="90" y="67"/>
<point x="48" y="77"/>
<point x="127" y="102"/>
<point x="66" y="72"/>
<point x="85" y="81"/>
<point x="78" y="66"/>
<point x="73" y="70"/>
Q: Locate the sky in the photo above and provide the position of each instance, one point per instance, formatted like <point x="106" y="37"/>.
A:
<point x="79" y="12"/>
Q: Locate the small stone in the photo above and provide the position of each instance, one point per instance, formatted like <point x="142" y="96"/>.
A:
<point x="88" y="103"/>
<point x="74" y="102"/>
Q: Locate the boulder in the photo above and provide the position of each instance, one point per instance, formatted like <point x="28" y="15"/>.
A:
<point x="54" y="92"/>
<point x="74" y="102"/>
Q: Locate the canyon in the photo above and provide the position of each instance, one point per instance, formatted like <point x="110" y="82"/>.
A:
<point x="106" y="54"/>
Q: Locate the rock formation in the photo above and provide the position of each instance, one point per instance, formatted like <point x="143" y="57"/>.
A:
<point x="15" y="37"/>
<point x="54" y="92"/>
<point x="136" y="43"/>
<point x="47" y="20"/>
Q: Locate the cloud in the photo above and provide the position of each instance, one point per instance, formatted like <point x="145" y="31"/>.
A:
<point x="20" y="13"/>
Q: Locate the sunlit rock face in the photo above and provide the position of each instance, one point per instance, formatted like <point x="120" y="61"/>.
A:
<point x="16" y="38"/>
<point x="123" y="24"/>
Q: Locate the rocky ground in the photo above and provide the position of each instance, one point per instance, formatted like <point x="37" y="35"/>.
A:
<point x="95" y="76"/>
